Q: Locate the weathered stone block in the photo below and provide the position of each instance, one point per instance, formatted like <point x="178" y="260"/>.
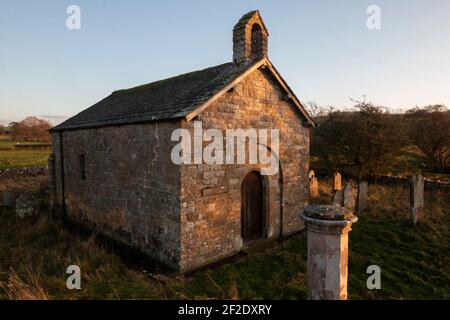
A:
<point x="338" y="198"/>
<point x="362" y="196"/>
<point x="27" y="205"/>
<point x="348" y="197"/>
<point x="416" y="198"/>
<point x="314" y="188"/>
<point x="337" y="181"/>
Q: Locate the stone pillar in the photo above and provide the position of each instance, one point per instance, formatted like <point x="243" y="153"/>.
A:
<point x="337" y="183"/>
<point x="337" y="198"/>
<point x="348" y="198"/>
<point x="416" y="198"/>
<point x="362" y="196"/>
<point x="314" y="188"/>
<point x="328" y="228"/>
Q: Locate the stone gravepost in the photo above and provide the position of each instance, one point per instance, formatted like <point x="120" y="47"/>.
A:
<point x="338" y="198"/>
<point x="348" y="198"/>
<point x="362" y="196"/>
<point x="313" y="185"/>
<point x="328" y="228"/>
<point x="416" y="198"/>
<point x="337" y="183"/>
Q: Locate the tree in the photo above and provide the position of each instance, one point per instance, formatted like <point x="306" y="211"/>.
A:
<point x="314" y="110"/>
<point x="362" y="141"/>
<point x="13" y="126"/>
<point x="429" y="130"/>
<point x="31" y="129"/>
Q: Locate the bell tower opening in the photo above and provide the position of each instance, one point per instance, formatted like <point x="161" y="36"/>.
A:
<point x="257" y="48"/>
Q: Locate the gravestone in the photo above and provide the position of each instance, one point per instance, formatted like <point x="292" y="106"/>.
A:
<point x="349" y="199"/>
<point x="416" y="198"/>
<point x="327" y="231"/>
<point x="362" y="195"/>
<point x="314" y="188"/>
<point x="337" y="185"/>
<point x="27" y="205"/>
<point x="337" y="198"/>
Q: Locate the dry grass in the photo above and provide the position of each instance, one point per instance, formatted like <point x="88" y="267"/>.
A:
<point x="17" y="289"/>
<point x="415" y="261"/>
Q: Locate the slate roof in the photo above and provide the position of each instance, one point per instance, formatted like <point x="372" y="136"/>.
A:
<point x="167" y="99"/>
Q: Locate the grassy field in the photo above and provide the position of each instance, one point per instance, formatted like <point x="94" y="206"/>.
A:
<point x="414" y="261"/>
<point x="10" y="158"/>
<point x="23" y="158"/>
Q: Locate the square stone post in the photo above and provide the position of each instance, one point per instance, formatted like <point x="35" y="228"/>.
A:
<point x="362" y="196"/>
<point x="328" y="228"/>
<point x="416" y="198"/>
<point x="337" y="182"/>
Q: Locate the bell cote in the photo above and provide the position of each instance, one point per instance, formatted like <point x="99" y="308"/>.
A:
<point x="250" y="38"/>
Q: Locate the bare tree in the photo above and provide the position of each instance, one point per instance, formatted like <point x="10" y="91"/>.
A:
<point x="315" y="110"/>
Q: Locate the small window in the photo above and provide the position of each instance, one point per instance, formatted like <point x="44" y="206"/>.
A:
<point x="82" y="159"/>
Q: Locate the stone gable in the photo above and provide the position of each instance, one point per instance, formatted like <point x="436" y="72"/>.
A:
<point x="210" y="194"/>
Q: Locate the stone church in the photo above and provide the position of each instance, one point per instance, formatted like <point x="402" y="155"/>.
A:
<point x="111" y="169"/>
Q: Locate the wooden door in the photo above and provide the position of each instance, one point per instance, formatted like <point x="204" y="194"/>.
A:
<point x="252" y="207"/>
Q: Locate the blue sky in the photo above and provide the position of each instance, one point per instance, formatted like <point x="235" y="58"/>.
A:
<point x="322" y="48"/>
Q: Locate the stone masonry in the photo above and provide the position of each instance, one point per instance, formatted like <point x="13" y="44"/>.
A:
<point x="210" y="212"/>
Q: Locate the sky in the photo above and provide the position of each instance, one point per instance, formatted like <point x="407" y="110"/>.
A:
<point x="323" y="49"/>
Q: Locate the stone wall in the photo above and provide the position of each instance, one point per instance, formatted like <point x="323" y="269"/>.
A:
<point x="188" y="215"/>
<point x="132" y="188"/>
<point x="211" y="194"/>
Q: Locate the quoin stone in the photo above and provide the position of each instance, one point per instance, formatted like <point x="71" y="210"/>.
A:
<point x="362" y="196"/>
<point x="416" y="198"/>
<point x="328" y="228"/>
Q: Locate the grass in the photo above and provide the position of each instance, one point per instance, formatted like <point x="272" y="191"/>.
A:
<point x="23" y="158"/>
<point x="11" y="158"/>
<point x="411" y="160"/>
<point x="414" y="261"/>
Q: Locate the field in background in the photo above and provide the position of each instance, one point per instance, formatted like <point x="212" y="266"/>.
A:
<point x="11" y="158"/>
<point x="414" y="261"/>
<point x="409" y="160"/>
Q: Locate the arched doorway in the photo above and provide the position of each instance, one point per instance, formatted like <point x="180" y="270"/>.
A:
<point x="252" y="207"/>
